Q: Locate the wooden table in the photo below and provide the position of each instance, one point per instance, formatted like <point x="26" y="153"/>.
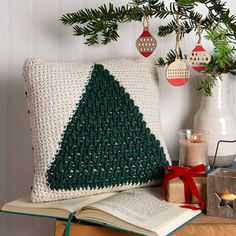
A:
<point x="202" y="226"/>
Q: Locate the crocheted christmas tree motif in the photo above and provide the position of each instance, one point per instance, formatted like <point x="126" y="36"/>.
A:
<point x="106" y="142"/>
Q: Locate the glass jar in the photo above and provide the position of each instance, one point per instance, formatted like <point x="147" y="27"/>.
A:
<point x="193" y="147"/>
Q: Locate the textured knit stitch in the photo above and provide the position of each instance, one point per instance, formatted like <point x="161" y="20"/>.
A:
<point x="54" y="91"/>
<point x="106" y="143"/>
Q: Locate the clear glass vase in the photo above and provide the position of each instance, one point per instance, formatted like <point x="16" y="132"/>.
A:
<point x="216" y="116"/>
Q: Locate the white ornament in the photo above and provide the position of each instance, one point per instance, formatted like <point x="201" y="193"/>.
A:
<point x="177" y="73"/>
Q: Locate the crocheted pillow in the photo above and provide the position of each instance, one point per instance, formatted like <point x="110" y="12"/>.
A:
<point x="95" y="127"/>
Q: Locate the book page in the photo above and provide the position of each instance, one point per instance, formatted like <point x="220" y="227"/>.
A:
<point x="141" y="207"/>
<point x="70" y="205"/>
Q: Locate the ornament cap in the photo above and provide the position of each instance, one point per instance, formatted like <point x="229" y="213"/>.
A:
<point x="198" y="48"/>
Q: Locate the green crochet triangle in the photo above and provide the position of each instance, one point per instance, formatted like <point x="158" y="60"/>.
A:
<point x="106" y="142"/>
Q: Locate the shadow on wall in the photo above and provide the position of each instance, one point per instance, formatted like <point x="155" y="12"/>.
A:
<point x="16" y="158"/>
<point x="192" y="104"/>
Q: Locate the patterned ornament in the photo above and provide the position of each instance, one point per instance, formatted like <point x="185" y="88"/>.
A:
<point x="199" y="58"/>
<point x="177" y="73"/>
<point x="146" y="43"/>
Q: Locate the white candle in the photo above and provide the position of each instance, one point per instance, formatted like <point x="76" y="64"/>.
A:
<point x="193" y="152"/>
<point x="193" y="147"/>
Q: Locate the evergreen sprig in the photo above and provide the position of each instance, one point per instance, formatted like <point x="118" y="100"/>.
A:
<point x="170" y="57"/>
<point x="101" y="26"/>
<point x="92" y="23"/>
<point x="223" y="60"/>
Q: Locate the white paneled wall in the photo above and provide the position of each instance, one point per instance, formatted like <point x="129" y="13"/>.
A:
<point x="31" y="28"/>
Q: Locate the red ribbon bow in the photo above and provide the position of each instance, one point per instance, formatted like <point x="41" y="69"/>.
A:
<point x="190" y="188"/>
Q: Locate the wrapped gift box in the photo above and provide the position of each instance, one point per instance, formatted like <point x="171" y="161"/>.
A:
<point x="175" y="190"/>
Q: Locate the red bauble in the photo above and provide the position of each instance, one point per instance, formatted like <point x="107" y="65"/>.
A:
<point x="146" y="43"/>
<point x="199" y="58"/>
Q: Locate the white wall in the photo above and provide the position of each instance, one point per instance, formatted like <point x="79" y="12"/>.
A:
<point x="31" y="28"/>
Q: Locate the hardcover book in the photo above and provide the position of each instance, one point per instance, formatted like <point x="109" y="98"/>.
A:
<point x="140" y="211"/>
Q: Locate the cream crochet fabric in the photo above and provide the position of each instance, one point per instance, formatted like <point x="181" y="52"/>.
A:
<point x="55" y="92"/>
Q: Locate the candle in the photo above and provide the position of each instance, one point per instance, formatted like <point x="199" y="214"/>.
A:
<point x="227" y="198"/>
<point x="193" y="148"/>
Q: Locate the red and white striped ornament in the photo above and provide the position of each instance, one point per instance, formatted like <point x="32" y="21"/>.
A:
<point x="199" y="58"/>
<point x="177" y="73"/>
<point x="146" y="43"/>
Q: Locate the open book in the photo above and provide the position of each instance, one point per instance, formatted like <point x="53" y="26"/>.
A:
<point x="140" y="211"/>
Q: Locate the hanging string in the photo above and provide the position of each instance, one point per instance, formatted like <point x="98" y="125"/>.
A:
<point x="199" y="32"/>
<point x="145" y="22"/>
<point x="177" y="46"/>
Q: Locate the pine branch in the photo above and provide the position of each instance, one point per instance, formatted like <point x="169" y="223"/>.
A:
<point x="186" y="3"/>
<point x="105" y="19"/>
<point x="101" y="26"/>
<point x="204" y="87"/>
<point x="92" y="23"/>
<point x="186" y="28"/>
<point x="164" y="30"/>
<point x="223" y="49"/>
<point x="170" y="57"/>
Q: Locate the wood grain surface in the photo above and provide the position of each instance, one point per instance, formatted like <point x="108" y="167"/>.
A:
<point x="208" y="225"/>
<point x="84" y="229"/>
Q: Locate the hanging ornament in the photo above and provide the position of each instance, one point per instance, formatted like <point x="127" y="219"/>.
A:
<point x="177" y="73"/>
<point x="199" y="58"/>
<point x="146" y="43"/>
